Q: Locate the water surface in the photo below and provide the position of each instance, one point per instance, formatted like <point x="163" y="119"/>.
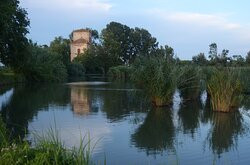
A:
<point x="125" y="126"/>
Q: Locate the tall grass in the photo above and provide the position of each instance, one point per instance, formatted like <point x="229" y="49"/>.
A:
<point x="157" y="78"/>
<point x="225" y="89"/>
<point x="48" y="149"/>
<point x="119" y="73"/>
<point x="189" y="83"/>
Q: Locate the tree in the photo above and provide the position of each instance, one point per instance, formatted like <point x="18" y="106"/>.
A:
<point x="248" y="58"/>
<point x="213" y="51"/>
<point x="44" y="65"/>
<point x="125" y="43"/>
<point x="61" y="46"/>
<point x="216" y="58"/>
<point x="200" y="59"/>
<point x="116" y="40"/>
<point x="142" y="42"/>
<point x="13" y="29"/>
<point x="237" y="60"/>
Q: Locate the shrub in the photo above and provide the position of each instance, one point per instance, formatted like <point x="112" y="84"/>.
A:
<point x="44" y="66"/>
<point x="120" y="72"/>
<point x="225" y="89"/>
<point x="189" y="83"/>
<point x="157" y="77"/>
<point x="76" y="70"/>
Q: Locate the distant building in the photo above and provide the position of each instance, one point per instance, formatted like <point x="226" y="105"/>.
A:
<point x="80" y="42"/>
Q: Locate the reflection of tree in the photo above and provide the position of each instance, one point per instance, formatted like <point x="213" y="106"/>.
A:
<point x="189" y="115"/>
<point x="118" y="104"/>
<point x="27" y="100"/>
<point x="226" y="127"/>
<point x="157" y="132"/>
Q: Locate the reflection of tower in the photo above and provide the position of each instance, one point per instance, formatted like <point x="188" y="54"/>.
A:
<point x="79" y="101"/>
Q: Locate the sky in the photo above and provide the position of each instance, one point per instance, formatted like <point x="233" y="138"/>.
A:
<point x="189" y="26"/>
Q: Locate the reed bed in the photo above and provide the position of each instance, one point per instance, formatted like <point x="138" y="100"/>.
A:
<point x="225" y="89"/>
<point x="189" y="83"/>
<point x="157" y="78"/>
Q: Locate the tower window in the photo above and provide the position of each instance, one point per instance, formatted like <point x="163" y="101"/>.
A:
<point x="78" y="51"/>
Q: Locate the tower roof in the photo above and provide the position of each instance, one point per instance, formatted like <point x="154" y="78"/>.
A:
<point x="81" y="30"/>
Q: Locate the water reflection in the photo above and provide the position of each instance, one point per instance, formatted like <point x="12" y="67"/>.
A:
<point x="189" y="117"/>
<point x="116" y="113"/>
<point x="26" y="101"/>
<point x="80" y="100"/>
<point x="225" y="130"/>
<point x="157" y="132"/>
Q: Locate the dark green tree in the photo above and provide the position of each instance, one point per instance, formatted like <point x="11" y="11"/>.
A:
<point x="116" y="40"/>
<point x="213" y="51"/>
<point x="13" y="29"/>
<point x="125" y="43"/>
<point x="142" y="43"/>
<point x="248" y="58"/>
<point x="61" y="47"/>
<point x="200" y="59"/>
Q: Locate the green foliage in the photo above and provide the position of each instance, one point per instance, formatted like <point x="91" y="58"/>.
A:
<point x="189" y="82"/>
<point x="124" y="43"/>
<point x="48" y="149"/>
<point x="157" y="77"/>
<point x="14" y="27"/>
<point x="76" y="70"/>
<point x="248" y="58"/>
<point x="96" y="60"/>
<point x="61" y="46"/>
<point x="120" y="72"/>
<point x="225" y="88"/>
<point x="44" y="66"/>
<point x="200" y="59"/>
<point x="7" y="76"/>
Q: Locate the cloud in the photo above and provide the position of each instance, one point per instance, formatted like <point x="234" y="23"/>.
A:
<point x="88" y="5"/>
<point x="204" y="23"/>
<point x="203" y="20"/>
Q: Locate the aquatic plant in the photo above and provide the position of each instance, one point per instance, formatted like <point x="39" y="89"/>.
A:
<point x="48" y="149"/>
<point x="120" y="73"/>
<point x="157" y="78"/>
<point x="189" y="83"/>
<point x="225" y="89"/>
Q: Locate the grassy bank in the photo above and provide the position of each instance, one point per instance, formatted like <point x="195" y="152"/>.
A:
<point x="48" y="149"/>
<point x="7" y="76"/>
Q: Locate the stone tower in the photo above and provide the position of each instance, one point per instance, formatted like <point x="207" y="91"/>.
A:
<point x="80" y="42"/>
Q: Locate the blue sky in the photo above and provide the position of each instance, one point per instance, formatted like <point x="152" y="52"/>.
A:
<point x="189" y="26"/>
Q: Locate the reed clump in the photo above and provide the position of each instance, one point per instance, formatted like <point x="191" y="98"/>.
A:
<point x="157" y="77"/>
<point x="225" y="89"/>
<point x="189" y="83"/>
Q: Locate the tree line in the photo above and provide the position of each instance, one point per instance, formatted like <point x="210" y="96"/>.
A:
<point x="223" y="59"/>
<point x="117" y="44"/>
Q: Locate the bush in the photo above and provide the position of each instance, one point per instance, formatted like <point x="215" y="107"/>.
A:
<point x="7" y="76"/>
<point x="120" y="72"/>
<point x="44" y="66"/>
<point x="189" y="83"/>
<point x="157" y="77"/>
<point x="225" y="89"/>
<point x="76" y="70"/>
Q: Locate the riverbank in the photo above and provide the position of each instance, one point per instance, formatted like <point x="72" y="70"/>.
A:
<point x="48" y="149"/>
<point x="8" y="77"/>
